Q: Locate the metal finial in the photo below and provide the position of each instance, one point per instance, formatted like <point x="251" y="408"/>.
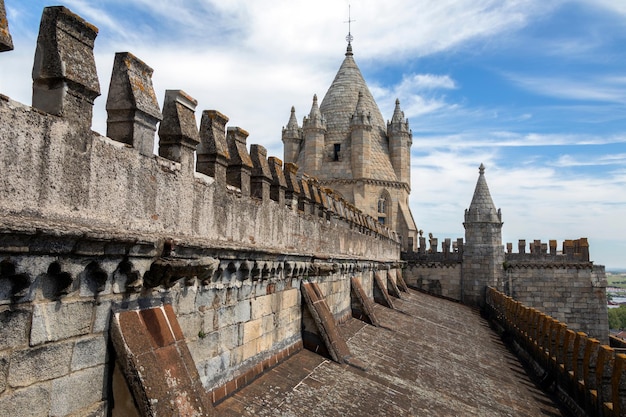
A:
<point x="349" y="38"/>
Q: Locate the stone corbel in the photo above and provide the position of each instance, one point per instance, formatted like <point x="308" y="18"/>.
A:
<point x="166" y="271"/>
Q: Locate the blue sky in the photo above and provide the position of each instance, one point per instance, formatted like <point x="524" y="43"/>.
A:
<point x="534" y="89"/>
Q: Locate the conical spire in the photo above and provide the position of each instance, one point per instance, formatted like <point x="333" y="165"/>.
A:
<point x="337" y="108"/>
<point x="482" y="208"/>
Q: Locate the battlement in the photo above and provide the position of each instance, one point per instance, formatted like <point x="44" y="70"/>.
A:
<point x="573" y="251"/>
<point x="451" y="251"/>
<point x="203" y="185"/>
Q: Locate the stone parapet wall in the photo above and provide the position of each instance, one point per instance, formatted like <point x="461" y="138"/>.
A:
<point x="574" y="294"/>
<point x="85" y="182"/>
<point x="438" y="278"/>
<point x="584" y="372"/>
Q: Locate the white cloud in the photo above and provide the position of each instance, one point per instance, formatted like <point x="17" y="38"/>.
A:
<point x="609" y="88"/>
<point x="610" y="5"/>
<point x="572" y="161"/>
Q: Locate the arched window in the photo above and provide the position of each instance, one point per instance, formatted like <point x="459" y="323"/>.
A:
<point x="384" y="202"/>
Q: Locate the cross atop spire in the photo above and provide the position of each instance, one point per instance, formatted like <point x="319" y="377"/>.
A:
<point x="349" y="38"/>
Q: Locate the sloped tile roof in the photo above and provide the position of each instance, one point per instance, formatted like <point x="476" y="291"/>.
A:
<point x="432" y="358"/>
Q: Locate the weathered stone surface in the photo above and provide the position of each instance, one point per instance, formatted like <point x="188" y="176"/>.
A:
<point x="14" y="328"/>
<point x="102" y="317"/>
<point x="212" y="151"/>
<point x="65" y="81"/>
<point x="33" y="401"/>
<point x="78" y="390"/>
<point x="325" y="322"/>
<point x="261" y="176"/>
<point x="178" y="132"/>
<point x="157" y="364"/>
<point x="6" y="43"/>
<point x="60" y="320"/>
<point x="239" y="164"/>
<point x="381" y="295"/>
<point x="4" y="372"/>
<point x="39" y="364"/>
<point x="279" y="184"/>
<point x="96" y="410"/>
<point x="365" y="305"/>
<point x="132" y="107"/>
<point x="89" y="352"/>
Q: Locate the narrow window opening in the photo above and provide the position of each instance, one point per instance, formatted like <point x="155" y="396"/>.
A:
<point x="336" y="150"/>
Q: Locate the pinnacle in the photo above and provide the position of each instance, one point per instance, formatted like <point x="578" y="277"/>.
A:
<point x="398" y="114"/>
<point x="315" y="110"/>
<point x="482" y="208"/>
<point x="293" y="121"/>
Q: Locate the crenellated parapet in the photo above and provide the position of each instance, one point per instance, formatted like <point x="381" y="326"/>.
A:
<point x="451" y="251"/>
<point x="117" y="184"/>
<point x="573" y="252"/>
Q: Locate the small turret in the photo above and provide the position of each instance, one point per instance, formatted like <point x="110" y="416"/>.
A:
<point x="400" y="141"/>
<point x="483" y="254"/>
<point x="292" y="138"/>
<point x="313" y="129"/>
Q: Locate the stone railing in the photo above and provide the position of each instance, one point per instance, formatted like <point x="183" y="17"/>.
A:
<point x="589" y="377"/>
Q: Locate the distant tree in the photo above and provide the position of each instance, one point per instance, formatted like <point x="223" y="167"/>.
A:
<point x="614" y="322"/>
<point x="617" y="317"/>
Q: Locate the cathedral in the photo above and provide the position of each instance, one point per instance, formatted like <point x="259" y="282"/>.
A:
<point x="345" y="143"/>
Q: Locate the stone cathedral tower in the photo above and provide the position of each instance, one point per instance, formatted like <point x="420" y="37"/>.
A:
<point x="346" y="145"/>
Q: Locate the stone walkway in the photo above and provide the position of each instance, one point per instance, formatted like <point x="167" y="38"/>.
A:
<point x="432" y="358"/>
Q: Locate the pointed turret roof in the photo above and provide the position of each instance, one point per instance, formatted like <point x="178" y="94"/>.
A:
<point x="292" y="130"/>
<point x="398" y="114"/>
<point x="293" y="121"/>
<point x="315" y="119"/>
<point x="482" y="208"/>
<point x="315" y="110"/>
<point x="339" y="105"/>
